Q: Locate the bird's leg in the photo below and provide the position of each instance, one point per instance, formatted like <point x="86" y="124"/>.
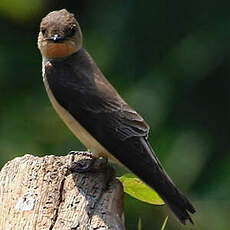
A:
<point x="92" y="164"/>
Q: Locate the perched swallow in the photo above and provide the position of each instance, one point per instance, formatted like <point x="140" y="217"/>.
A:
<point x="95" y="112"/>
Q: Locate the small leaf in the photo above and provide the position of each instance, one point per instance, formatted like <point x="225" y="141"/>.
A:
<point x="164" y="224"/>
<point x="137" y="189"/>
<point x="139" y="224"/>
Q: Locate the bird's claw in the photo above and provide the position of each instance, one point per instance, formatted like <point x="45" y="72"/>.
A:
<point x="83" y="166"/>
<point x="87" y="154"/>
<point x="92" y="164"/>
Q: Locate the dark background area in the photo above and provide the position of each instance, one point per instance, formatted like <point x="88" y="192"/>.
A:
<point x="168" y="59"/>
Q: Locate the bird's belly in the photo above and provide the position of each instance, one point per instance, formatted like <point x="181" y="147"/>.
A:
<point x="80" y="132"/>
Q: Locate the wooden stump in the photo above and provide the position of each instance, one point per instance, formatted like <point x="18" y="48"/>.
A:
<point x="42" y="193"/>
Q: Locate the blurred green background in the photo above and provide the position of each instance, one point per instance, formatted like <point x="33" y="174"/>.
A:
<point x="168" y="59"/>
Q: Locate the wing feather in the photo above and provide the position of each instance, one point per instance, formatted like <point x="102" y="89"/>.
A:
<point x="80" y="87"/>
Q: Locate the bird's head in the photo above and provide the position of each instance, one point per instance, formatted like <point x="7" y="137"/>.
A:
<point x="60" y="35"/>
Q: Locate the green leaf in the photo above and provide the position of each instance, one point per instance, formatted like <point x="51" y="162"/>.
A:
<point x="139" y="224"/>
<point x="137" y="189"/>
<point x="164" y="224"/>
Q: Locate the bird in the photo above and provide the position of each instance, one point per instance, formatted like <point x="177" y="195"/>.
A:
<point x="95" y="112"/>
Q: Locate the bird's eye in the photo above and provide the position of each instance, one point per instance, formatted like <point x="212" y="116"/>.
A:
<point x="43" y="31"/>
<point x="72" y="31"/>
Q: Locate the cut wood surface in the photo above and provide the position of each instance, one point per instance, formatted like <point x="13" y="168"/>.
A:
<point x="42" y="193"/>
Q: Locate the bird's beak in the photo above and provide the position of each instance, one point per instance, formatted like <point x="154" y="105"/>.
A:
<point x="56" y="38"/>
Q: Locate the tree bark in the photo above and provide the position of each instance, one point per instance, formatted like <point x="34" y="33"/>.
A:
<point x="42" y="193"/>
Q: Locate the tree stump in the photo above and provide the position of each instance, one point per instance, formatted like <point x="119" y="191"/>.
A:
<point x="42" y="193"/>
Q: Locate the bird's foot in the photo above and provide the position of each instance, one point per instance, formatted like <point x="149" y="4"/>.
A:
<point x="90" y="164"/>
<point x="87" y="154"/>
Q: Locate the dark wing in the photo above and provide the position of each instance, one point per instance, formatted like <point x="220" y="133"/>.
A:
<point x="126" y="122"/>
<point x="79" y="86"/>
<point x="137" y="155"/>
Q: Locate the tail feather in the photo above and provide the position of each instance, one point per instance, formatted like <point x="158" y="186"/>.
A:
<point x="176" y="201"/>
<point x="181" y="207"/>
<point x="143" y="162"/>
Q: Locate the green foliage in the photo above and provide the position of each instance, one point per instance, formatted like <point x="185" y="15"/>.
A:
<point x="20" y="9"/>
<point x="164" y="224"/>
<point x="139" y="224"/>
<point x="137" y="189"/>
